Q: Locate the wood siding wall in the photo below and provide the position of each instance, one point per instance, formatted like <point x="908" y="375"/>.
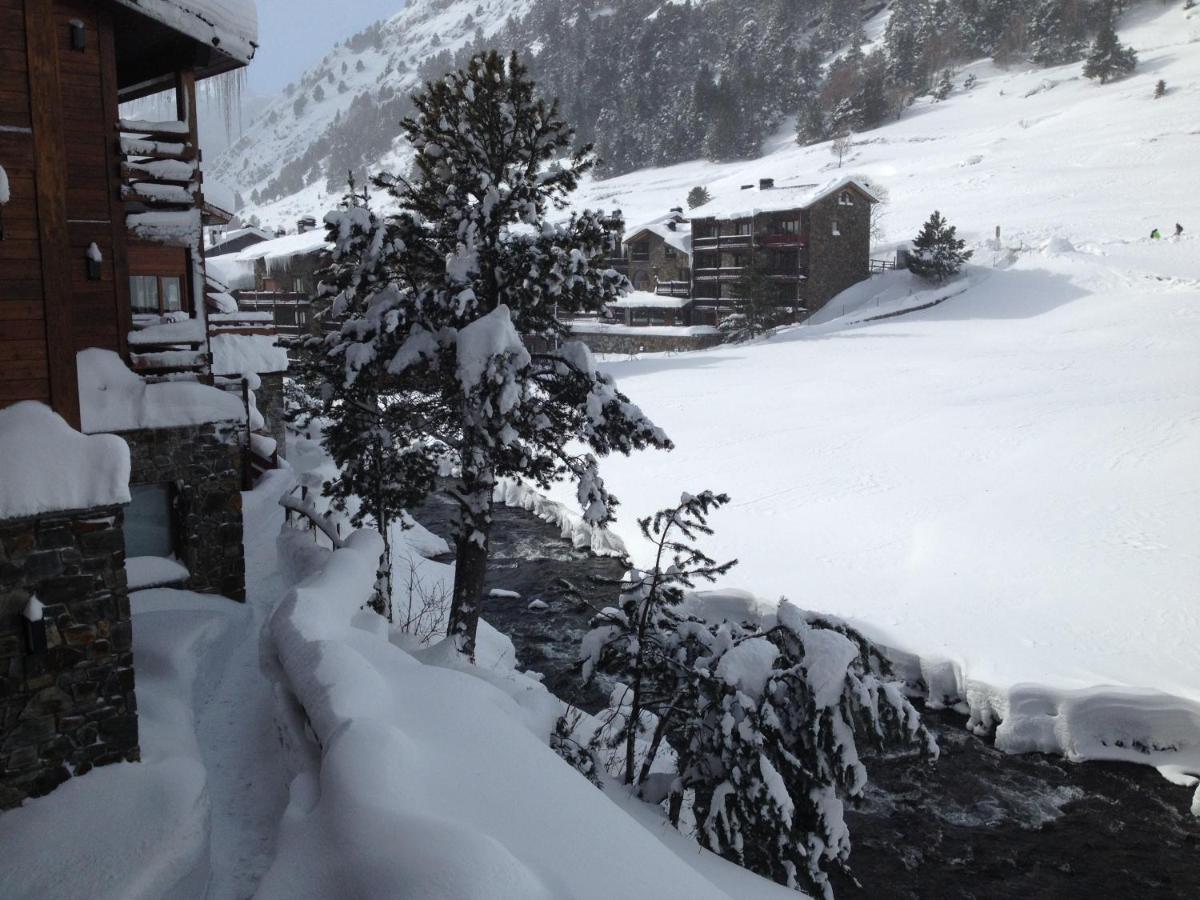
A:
<point x="58" y="109"/>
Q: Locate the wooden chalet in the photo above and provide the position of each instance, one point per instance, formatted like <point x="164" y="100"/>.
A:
<point x="813" y="241"/>
<point x="104" y="216"/>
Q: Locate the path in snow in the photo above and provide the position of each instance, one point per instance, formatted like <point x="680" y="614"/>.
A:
<point x="235" y="722"/>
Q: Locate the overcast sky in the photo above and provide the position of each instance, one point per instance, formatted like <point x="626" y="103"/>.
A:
<point x="294" y="34"/>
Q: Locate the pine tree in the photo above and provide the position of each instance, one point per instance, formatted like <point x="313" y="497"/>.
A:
<point x="1108" y="58"/>
<point x="698" y="196"/>
<point x="757" y="309"/>
<point x="945" y="86"/>
<point x="1057" y="32"/>
<point x="937" y="252"/>
<point x="764" y="721"/>
<point x="1160" y="89"/>
<point x="452" y="284"/>
<point x="811" y="127"/>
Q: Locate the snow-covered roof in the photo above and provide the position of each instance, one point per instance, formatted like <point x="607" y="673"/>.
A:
<point x="233" y="234"/>
<point x="229" y="25"/>
<point x="233" y="273"/>
<point x="51" y="467"/>
<point x="220" y="196"/>
<point x="647" y="300"/>
<point x="282" y="249"/>
<point x="679" y="237"/>
<point x="751" y="201"/>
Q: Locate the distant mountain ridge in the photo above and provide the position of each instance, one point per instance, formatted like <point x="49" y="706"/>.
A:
<point x="650" y="83"/>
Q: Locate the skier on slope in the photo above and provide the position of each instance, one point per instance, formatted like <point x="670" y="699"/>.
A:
<point x="1178" y="230"/>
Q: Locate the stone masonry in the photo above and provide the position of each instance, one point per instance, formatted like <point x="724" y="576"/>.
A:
<point x="616" y="342"/>
<point x="269" y="398"/>
<point x="202" y="463"/>
<point x="70" y="706"/>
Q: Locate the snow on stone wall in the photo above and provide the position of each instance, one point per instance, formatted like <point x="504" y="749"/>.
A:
<point x="112" y="398"/>
<point x="49" y="466"/>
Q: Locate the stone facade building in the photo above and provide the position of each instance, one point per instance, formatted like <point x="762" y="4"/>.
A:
<point x="811" y="241"/>
<point x="103" y="271"/>
<point x="659" y="255"/>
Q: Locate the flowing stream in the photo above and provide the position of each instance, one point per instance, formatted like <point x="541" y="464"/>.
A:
<point x="977" y="824"/>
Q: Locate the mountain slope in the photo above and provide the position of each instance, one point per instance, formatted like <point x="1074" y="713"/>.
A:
<point x="342" y="114"/>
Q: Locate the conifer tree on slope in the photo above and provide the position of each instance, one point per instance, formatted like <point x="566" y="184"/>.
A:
<point x="937" y="251"/>
<point x="1109" y="59"/>
<point x="444" y="290"/>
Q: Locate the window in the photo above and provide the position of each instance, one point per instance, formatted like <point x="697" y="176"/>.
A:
<point x="668" y="251"/>
<point x="845" y="198"/>
<point x="789" y="226"/>
<point x="299" y="286"/>
<point x="143" y="293"/>
<point x="742" y="228"/>
<point x="639" y="251"/>
<point x="836" y="231"/>
<point x="148" y="529"/>
<point x="156" y="294"/>
<point x="301" y="316"/>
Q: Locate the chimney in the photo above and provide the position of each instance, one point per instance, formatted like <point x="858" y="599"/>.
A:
<point x="765" y="184"/>
<point x="671" y="225"/>
<point x="308" y="223"/>
<point x="677" y="209"/>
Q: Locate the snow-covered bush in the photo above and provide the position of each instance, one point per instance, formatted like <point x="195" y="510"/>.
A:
<point x="760" y="722"/>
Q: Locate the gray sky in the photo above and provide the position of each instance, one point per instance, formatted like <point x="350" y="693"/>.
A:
<point x="294" y="34"/>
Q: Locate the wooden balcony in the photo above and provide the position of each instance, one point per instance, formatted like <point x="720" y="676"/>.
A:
<point x="673" y="288"/>
<point x="160" y="181"/>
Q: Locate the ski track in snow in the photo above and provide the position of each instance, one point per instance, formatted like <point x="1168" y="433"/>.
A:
<point x="235" y="724"/>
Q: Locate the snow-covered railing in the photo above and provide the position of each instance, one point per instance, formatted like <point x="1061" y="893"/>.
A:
<point x="297" y="505"/>
<point x="160" y="181"/>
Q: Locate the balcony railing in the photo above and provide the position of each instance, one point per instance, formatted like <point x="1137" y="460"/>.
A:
<point x="160" y="181"/>
<point x="673" y="288"/>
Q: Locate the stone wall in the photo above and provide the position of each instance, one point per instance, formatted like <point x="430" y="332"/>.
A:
<point x="70" y="706"/>
<point x="269" y="398"/>
<point x="837" y="261"/>
<point x="665" y="263"/>
<point x="203" y="465"/>
<point x="609" y="342"/>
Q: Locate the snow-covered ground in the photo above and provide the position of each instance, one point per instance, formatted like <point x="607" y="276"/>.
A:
<point x="1006" y="480"/>
<point x="1038" y="152"/>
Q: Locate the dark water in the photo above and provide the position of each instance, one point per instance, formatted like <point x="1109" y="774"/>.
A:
<point x="976" y="824"/>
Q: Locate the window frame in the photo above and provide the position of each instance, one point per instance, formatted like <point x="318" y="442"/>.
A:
<point x="160" y="308"/>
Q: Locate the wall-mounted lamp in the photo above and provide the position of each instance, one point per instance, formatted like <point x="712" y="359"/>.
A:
<point x="4" y="197"/>
<point x="78" y="36"/>
<point x="35" y="625"/>
<point x="94" y="258"/>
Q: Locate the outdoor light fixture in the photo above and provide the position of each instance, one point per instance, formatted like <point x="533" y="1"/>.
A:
<point x="35" y="625"/>
<point x="94" y="258"/>
<point x="78" y="36"/>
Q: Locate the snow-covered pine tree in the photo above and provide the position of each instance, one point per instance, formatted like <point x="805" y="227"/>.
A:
<point x="937" y="252"/>
<point x="635" y="640"/>
<point x="376" y="421"/>
<point x="764" y="722"/>
<point x="698" y="196"/>
<point x="1160" y="89"/>
<point x="945" y="86"/>
<point x="466" y="271"/>
<point x="1109" y="59"/>
<point x="1058" y="32"/>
